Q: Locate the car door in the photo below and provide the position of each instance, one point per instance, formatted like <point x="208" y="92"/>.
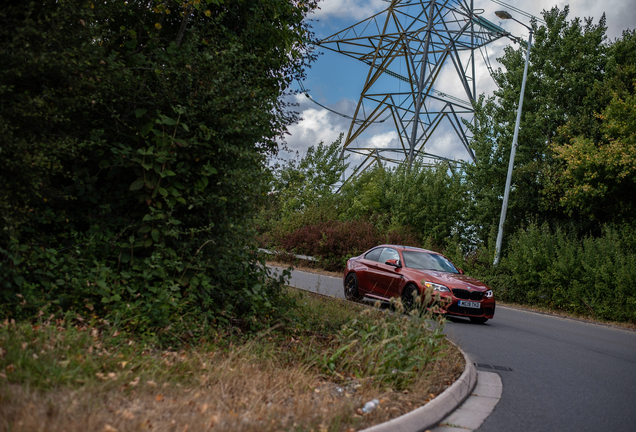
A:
<point x="384" y="279"/>
<point x="366" y="276"/>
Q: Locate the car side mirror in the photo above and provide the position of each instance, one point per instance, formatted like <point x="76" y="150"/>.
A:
<point x="394" y="263"/>
<point x="460" y="271"/>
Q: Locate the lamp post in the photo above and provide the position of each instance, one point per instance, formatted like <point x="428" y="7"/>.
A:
<point x="504" y="207"/>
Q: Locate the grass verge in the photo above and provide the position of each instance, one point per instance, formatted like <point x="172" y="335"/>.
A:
<point x="311" y="372"/>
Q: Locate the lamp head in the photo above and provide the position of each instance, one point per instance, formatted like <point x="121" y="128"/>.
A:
<point x="503" y="15"/>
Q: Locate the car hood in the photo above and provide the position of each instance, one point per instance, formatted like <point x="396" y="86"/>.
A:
<point x="453" y="280"/>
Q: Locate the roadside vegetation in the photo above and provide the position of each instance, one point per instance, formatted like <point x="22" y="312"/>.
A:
<point x="313" y="371"/>
<point x="135" y="138"/>
<point x="569" y="243"/>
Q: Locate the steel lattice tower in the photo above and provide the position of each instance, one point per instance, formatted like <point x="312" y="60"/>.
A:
<point x="407" y="45"/>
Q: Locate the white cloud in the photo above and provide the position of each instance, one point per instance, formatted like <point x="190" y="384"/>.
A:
<point x="620" y="14"/>
<point x="384" y="140"/>
<point x="446" y="143"/>
<point x="349" y="9"/>
<point x="317" y="124"/>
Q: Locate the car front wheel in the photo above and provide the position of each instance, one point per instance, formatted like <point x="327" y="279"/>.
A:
<point x="351" y="287"/>
<point x="409" y="298"/>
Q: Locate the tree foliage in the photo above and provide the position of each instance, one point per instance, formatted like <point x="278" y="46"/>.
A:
<point x="598" y="177"/>
<point x="553" y="268"/>
<point x="301" y="183"/>
<point x="567" y="60"/>
<point x="133" y="137"/>
<point x="418" y="205"/>
<point x="427" y="199"/>
<point x="568" y="227"/>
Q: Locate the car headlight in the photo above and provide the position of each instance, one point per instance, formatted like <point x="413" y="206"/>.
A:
<point x="436" y="287"/>
<point x="489" y="294"/>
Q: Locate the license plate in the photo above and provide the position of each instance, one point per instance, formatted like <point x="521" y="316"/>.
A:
<point x="469" y="304"/>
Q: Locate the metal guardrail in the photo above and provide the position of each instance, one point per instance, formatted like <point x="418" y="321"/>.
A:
<point x="303" y="257"/>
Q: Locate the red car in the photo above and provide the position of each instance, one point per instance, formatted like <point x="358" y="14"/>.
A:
<point x="402" y="271"/>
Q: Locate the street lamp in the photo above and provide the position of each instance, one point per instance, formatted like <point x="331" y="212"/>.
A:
<point x="504" y="207"/>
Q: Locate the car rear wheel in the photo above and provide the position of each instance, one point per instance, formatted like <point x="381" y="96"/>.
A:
<point x="478" y="320"/>
<point x="351" y="287"/>
<point x="409" y="294"/>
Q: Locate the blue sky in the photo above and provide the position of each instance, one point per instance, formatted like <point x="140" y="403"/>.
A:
<point x="336" y="80"/>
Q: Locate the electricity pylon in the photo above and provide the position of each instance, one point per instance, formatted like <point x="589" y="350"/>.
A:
<point x="406" y="48"/>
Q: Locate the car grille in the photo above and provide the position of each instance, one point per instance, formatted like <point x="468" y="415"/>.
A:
<point x="489" y="311"/>
<point x="468" y="295"/>
<point x="454" y="309"/>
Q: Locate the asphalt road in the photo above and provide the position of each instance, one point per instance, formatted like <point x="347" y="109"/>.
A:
<point x="566" y="375"/>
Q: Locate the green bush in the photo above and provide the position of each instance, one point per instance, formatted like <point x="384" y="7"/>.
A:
<point x="418" y="206"/>
<point x="555" y="269"/>
<point x="133" y="138"/>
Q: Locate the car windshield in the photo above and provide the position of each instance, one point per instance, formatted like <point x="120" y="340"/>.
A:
<point x="428" y="261"/>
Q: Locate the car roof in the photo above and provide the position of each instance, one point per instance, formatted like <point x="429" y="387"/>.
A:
<point x="408" y="248"/>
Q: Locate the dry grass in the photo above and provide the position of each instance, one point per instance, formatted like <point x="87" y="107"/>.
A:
<point x="271" y="382"/>
<point x="243" y="394"/>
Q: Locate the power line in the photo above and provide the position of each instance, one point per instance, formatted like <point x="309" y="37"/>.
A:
<point x="302" y="88"/>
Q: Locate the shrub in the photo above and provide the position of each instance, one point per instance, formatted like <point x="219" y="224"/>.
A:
<point x="553" y="268"/>
<point x="133" y="146"/>
<point x="334" y="242"/>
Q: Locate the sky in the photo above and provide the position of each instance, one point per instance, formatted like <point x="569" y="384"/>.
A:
<point x="335" y="81"/>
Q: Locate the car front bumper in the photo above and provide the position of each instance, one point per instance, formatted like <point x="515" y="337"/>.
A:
<point x="486" y="309"/>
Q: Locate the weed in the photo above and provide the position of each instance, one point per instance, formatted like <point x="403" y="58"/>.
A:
<point x="392" y="349"/>
<point x="67" y="374"/>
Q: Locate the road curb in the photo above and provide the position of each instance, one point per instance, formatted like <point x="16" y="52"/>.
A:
<point x="429" y="415"/>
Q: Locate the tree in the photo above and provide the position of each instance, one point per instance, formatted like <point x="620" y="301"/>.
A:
<point x="598" y="167"/>
<point x="430" y="200"/>
<point x="134" y="136"/>
<point x="302" y="183"/>
<point x="427" y="199"/>
<point x="566" y="60"/>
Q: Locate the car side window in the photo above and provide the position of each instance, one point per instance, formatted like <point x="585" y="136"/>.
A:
<point x="389" y="254"/>
<point x="374" y="255"/>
